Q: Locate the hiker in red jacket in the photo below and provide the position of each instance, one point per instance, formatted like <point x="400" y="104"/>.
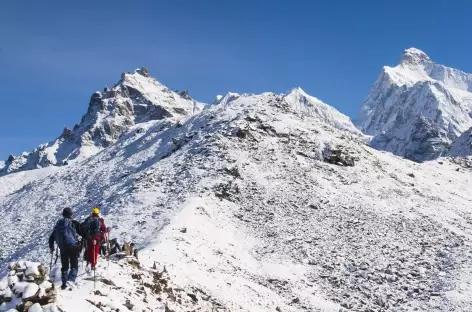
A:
<point x="95" y="229"/>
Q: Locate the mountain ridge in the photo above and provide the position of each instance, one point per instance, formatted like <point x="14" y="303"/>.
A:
<point x="137" y="98"/>
<point x="417" y="108"/>
<point x="243" y="202"/>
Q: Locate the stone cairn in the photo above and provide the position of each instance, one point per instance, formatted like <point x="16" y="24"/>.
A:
<point x="26" y="288"/>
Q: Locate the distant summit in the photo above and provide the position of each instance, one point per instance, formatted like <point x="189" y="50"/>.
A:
<point x="136" y="97"/>
<point x="413" y="56"/>
<point x="418" y="108"/>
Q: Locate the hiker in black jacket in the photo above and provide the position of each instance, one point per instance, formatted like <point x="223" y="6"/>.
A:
<point x="66" y="237"/>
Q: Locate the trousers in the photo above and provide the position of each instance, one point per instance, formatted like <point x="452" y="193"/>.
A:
<point x="92" y="253"/>
<point x="69" y="259"/>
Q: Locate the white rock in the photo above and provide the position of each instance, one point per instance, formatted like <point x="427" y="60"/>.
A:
<point x="46" y="285"/>
<point x="32" y="268"/>
<point x="35" y="308"/>
<point x="12" y="280"/>
<point x="7" y="293"/>
<point x="30" y="290"/>
<point x="19" y="287"/>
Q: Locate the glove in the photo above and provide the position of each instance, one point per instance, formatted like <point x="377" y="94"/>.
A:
<point x="51" y="250"/>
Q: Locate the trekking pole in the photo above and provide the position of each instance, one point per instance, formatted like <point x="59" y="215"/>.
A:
<point x="50" y="265"/>
<point x="94" y="261"/>
<point x="84" y="247"/>
<point x="107" y="246"/>
<point x="57" y="255"/>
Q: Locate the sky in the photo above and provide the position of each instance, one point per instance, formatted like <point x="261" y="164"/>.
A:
<point x="55" y="54"/>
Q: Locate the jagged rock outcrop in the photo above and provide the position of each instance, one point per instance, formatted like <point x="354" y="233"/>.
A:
<point x="462" y="146"/>
<point x="417" y="108"/>
<point x="136" y="98"/>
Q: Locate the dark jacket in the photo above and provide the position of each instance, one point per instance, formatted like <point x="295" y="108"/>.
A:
<point x="73" y="239"/>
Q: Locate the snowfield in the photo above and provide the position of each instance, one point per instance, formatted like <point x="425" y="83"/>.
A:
<point x="242" y="207"/>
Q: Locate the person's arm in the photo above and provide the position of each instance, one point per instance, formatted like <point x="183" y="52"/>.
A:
<point x="77" y="227"/>
<point x="103" y="228"/>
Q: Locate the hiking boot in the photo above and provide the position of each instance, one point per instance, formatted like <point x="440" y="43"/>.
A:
<point x="64" y="286"/>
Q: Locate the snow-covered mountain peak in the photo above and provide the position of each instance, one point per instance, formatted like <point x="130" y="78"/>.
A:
<point x="229" y="97"/>
<point x="413" y="56"/>
<point x="135" y="98"/>
<point x="312" y="106"/>
<point x="143" y="71"/>
<point x="417" y="108"/>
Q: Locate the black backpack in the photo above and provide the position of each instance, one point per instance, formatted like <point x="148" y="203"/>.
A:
<point x="90" y="227"/>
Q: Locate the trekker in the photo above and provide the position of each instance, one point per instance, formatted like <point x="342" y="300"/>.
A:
<point x="66" y="237"/>
<point x="94" y="229"/>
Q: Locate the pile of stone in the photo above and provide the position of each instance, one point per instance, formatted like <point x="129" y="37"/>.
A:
<point x="339" y="157"/>
<point x="26" y="288"/>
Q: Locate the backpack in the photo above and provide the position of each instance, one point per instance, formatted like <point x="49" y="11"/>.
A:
<point x="65" y="233"/>
<point x="90" y="227"/>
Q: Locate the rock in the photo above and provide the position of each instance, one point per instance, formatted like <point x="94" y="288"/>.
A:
<point x="338" y="157"/>
<point x="143" y="71"/>
<point x="313" y="206"/>
<point x="346" y="305"/>
<point x="363" y="274"/>
<point x="6" y="296"/>
<point x="31" y="290"/>
<point x="129" y="305"/>
<point x="35" y="308"/>
<point x="184" y="94"/>
<point x="193" y="297"/>
<point x="66" y="134"/>
<point x="242" y="133"/>
<point x="411" y="175"/>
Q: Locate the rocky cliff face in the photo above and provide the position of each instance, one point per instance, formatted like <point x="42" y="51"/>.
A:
<point x="417" y="108"/>
<point x="462" y="146"/>
<point x="136" y="98"/>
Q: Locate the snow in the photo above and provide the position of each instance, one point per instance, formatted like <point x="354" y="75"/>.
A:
<point x="134" y="99"/>
<point x="238" y="204"/>
<point x="311" y="106"/>
<point x="31" y="268"/>
<point x="30" y="290"/>
<point x="35" y="308"/>
<point x="417" y="108"/>
<point x="462" y="146"/>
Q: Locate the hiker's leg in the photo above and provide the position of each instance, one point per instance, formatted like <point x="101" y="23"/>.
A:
<point x="89" y="253"/>
<point x="97" y="250"/>
<point x="65" y="265"/>
<point x="74" y="264"/>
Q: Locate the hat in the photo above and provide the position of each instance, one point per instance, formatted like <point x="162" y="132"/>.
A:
<point x="67" y="212"/>
<point x="95" y="211"/>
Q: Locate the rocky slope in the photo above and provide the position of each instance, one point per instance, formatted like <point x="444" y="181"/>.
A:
<point x="265" y="203"/>
<point x="462" y="146"/>
<point x="136" y="98"/>
<point x="417" y="108"/>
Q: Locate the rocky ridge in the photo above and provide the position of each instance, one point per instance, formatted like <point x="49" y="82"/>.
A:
<point x="418" y="108"/>
<point x="135" y="98"/>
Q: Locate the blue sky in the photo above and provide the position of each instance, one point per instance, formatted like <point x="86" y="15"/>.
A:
<point x="55" y="54"/>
